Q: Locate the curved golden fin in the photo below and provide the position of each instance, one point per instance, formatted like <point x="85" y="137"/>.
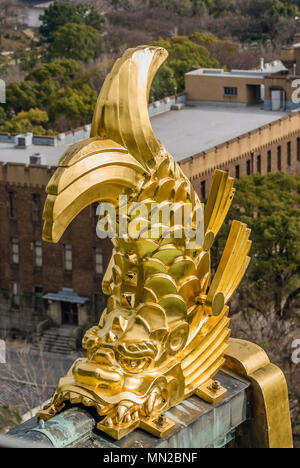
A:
<point x="90" y="171"/>
<point x="122" y="109"/>
<point x="232" y="268"/>
<point x="217" y="207"/>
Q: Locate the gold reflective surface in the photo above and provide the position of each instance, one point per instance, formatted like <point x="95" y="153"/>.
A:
<point x="164" y="333"/>
<point x="269" y="422"/>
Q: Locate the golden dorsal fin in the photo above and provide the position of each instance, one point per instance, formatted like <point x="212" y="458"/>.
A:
<point x="122" y="109"/>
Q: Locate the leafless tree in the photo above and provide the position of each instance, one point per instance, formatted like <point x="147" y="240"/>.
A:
<point x="275" y="337"/>
<point x="29" y="377"/>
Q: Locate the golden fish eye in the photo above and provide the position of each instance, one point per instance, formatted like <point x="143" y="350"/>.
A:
<point x="135" y="365"/>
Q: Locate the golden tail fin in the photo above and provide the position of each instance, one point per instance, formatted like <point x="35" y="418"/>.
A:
<point x="122" y="109"/>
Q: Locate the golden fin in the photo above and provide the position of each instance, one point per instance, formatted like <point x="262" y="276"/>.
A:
<point x="94" y="170"/>
<point x="232" y="268"/>
<point x="217" y="206"/>
<point x="122" y="109"/>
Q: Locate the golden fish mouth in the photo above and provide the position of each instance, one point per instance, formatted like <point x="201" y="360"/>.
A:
<point x="99" y="376"/>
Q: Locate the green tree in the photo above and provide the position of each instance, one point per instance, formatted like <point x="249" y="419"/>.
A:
<point x="270" y="206"/>
<point x="2" y="115"/>
<point x="164" y="83"/>
<point x="61" y="88"/>
<point x="62" y="72"/>
<point x="283" y="8"/>
<point x="31" y="121"/>
<point x="90" y="16"/>
<point x="76" y="41"/>
<point x="60" y="13"/>
<point x="183" y="56"/>
<point x="23" y="95"/>
<point x="223" y="51"/>
<point x="218" y="7"/>
<point x="28" y="59"/>
<point x="77" y="104"/>
<point x="4" y="65"/>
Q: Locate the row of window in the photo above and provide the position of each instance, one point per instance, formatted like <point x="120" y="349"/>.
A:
<point x="68" y="256"/>
<point x="36" y="207"/>
<point x="15" y="294"/>
<point x="269" y="160"/>
<point x="250" y="170"/>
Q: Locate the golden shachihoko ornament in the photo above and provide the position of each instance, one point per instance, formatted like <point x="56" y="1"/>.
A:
<point x="164" y="333"/>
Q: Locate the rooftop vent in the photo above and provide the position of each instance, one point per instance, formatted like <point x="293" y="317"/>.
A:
<point x="23" y="141"/>
<point x="35" y="159"/>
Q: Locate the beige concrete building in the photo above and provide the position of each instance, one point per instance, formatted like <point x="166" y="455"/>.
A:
<point x="273" y="85"/>
<point x="216" y="85"/>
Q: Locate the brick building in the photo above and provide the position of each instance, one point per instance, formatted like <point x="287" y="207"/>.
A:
<point x="30" y="268"/>
<point x="45" y="285"/>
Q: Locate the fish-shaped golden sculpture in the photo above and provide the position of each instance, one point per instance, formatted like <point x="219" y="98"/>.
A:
<point x="165" y="330"/>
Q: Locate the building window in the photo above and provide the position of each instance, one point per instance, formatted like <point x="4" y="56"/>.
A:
<point x="279" y="166"/>
<point x="12" y="204"/>
<point x="289" y="154"/>
<point x="15" y="295"/>
<point x="269" y="161"/>
<point x="68" y="264"/>
<point x="230" y="91"/>
<point x="98" y="261"/>
<point x="203" y="190"/>
<point x="38" y="298"/>
<point x="298" y="149"/>
<point x="237" y="172"/>
<point x="248" y="167"/>
<point x="14" y="245"/>
<point x="36" y="208"/>
<point x="259" y="164"/>
<point x="38" y="254"/>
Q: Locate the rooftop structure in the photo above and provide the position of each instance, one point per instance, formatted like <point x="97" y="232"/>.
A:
<point x="274" y="67"/>
<point x="206" y="126"/>
<point x="247" y="87"/>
